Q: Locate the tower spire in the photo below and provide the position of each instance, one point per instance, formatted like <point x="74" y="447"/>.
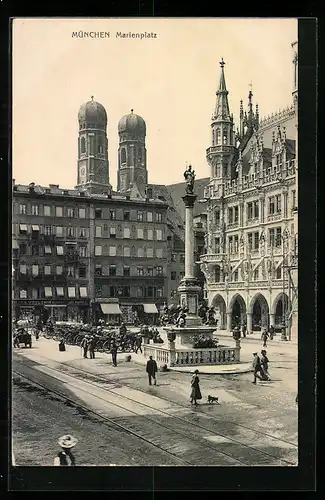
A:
<point x="222" y="106"/>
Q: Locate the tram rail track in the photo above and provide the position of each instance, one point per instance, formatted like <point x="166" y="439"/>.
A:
<point x="108" y="421"/>
<point x="104" y="380"/>
<point x="184" y="421"/>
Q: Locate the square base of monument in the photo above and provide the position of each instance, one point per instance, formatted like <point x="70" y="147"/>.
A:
<point x="192" y="320"/>
<point x="185" y="336"/>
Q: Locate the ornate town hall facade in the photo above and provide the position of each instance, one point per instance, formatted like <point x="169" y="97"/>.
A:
<point x="250" y="263"/>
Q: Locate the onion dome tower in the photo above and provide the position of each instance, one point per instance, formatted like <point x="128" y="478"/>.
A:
<point x="132" y="153"/>
<point x="93" y="165"/>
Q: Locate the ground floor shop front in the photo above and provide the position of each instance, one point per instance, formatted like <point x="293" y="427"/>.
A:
<point x="115" y="312"/>
<point x="41" y="310"/>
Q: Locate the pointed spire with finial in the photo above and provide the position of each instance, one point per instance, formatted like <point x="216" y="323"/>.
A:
<point x="222" y="106"/>
<point x="250" y="105"/>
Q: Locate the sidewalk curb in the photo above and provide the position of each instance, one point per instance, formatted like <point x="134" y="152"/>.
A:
<point x="204" y="371"/>
<point x="258" y="340"/>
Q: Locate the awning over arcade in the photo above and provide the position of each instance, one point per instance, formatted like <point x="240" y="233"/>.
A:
<point x="150" y="308"/>
<point x="110" y="308"/>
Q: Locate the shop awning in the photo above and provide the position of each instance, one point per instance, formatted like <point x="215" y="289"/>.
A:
<point x="150" y="308"/>
<point x="35" y="228"/>
<point x="110" y="308"/>
<point x="15" y="245"/>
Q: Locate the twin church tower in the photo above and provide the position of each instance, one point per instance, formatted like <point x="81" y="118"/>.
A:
<point x="93" y="164"/>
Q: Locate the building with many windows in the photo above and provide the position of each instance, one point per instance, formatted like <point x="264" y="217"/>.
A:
<point x="78" y="255"/>
<point x="51" y="252"/>
<point x="130" y="256"/>
<point x="251" y="202"/>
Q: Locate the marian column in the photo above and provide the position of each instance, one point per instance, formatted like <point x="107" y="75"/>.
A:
<point x="189" y="289"/>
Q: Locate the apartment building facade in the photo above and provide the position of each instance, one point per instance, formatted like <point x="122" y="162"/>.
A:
<point x="130" y="257"/>
<point x="51" y="252"/>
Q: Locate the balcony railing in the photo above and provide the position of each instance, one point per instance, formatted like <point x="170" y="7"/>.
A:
<point x="212" y="257"/>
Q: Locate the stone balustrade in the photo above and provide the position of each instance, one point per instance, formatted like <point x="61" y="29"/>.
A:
<point x="160" y="354"/>
<point x="219" y="355"/>
<point x="190" y="356"/>
<point x="271" y="174"/>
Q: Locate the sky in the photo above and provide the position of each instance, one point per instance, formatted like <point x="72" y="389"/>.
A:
<point x="169" y="80"/>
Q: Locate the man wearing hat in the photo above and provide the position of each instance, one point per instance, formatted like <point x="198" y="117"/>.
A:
<point x="151" y="370"/>
<point x="65" y="456"/>
<point x="84" y="345"/>
<point x="91" y="346"/>
<point x="257" y="367"/>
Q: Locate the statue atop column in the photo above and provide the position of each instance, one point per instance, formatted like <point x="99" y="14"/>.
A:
<point x="189" y="176"/>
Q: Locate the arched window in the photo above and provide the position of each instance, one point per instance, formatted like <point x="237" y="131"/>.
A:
<point x="217" y="274"/>
<point x="82" y="145"/>
<point x="225" y="138"/>
<point x="123" y="156"/>
<point x="218" y="134"/>
<point x="213" y="137"/>
<point x="100" y="149"/>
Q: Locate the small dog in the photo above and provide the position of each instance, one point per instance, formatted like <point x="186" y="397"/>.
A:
<point x="212" y="399"/>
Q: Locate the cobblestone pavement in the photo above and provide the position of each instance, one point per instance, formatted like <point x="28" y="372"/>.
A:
<point x="241" y="423"/>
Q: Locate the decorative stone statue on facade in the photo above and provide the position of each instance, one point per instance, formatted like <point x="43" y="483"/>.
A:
<point x="189" y="176"/>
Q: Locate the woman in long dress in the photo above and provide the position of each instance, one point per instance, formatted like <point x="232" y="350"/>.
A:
<point x="265" y="365"/>
<point x="195" y="392"/>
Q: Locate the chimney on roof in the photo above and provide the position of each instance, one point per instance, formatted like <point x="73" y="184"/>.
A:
<point x="54" y="186"/>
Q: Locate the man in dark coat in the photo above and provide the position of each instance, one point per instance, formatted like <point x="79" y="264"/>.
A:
<point x="151" y="369"/>
<point x="114" y="354"/>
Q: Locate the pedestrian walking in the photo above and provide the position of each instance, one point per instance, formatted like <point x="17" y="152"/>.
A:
<point x="265" y="336"/>
<point x="138" y="343"/>
<point x="271" y="332"/>
<point x="91" y="346"/>
<point x="114" y="354"/>
<point x="65" y="456"/>
<point x="244" y="329"/>
<point x="84" y="345"/>
<point x="265" y="365"/>
<point x="151" y="370"/>
<point x="195" y="392"/>
<point x="257" y="367"/>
